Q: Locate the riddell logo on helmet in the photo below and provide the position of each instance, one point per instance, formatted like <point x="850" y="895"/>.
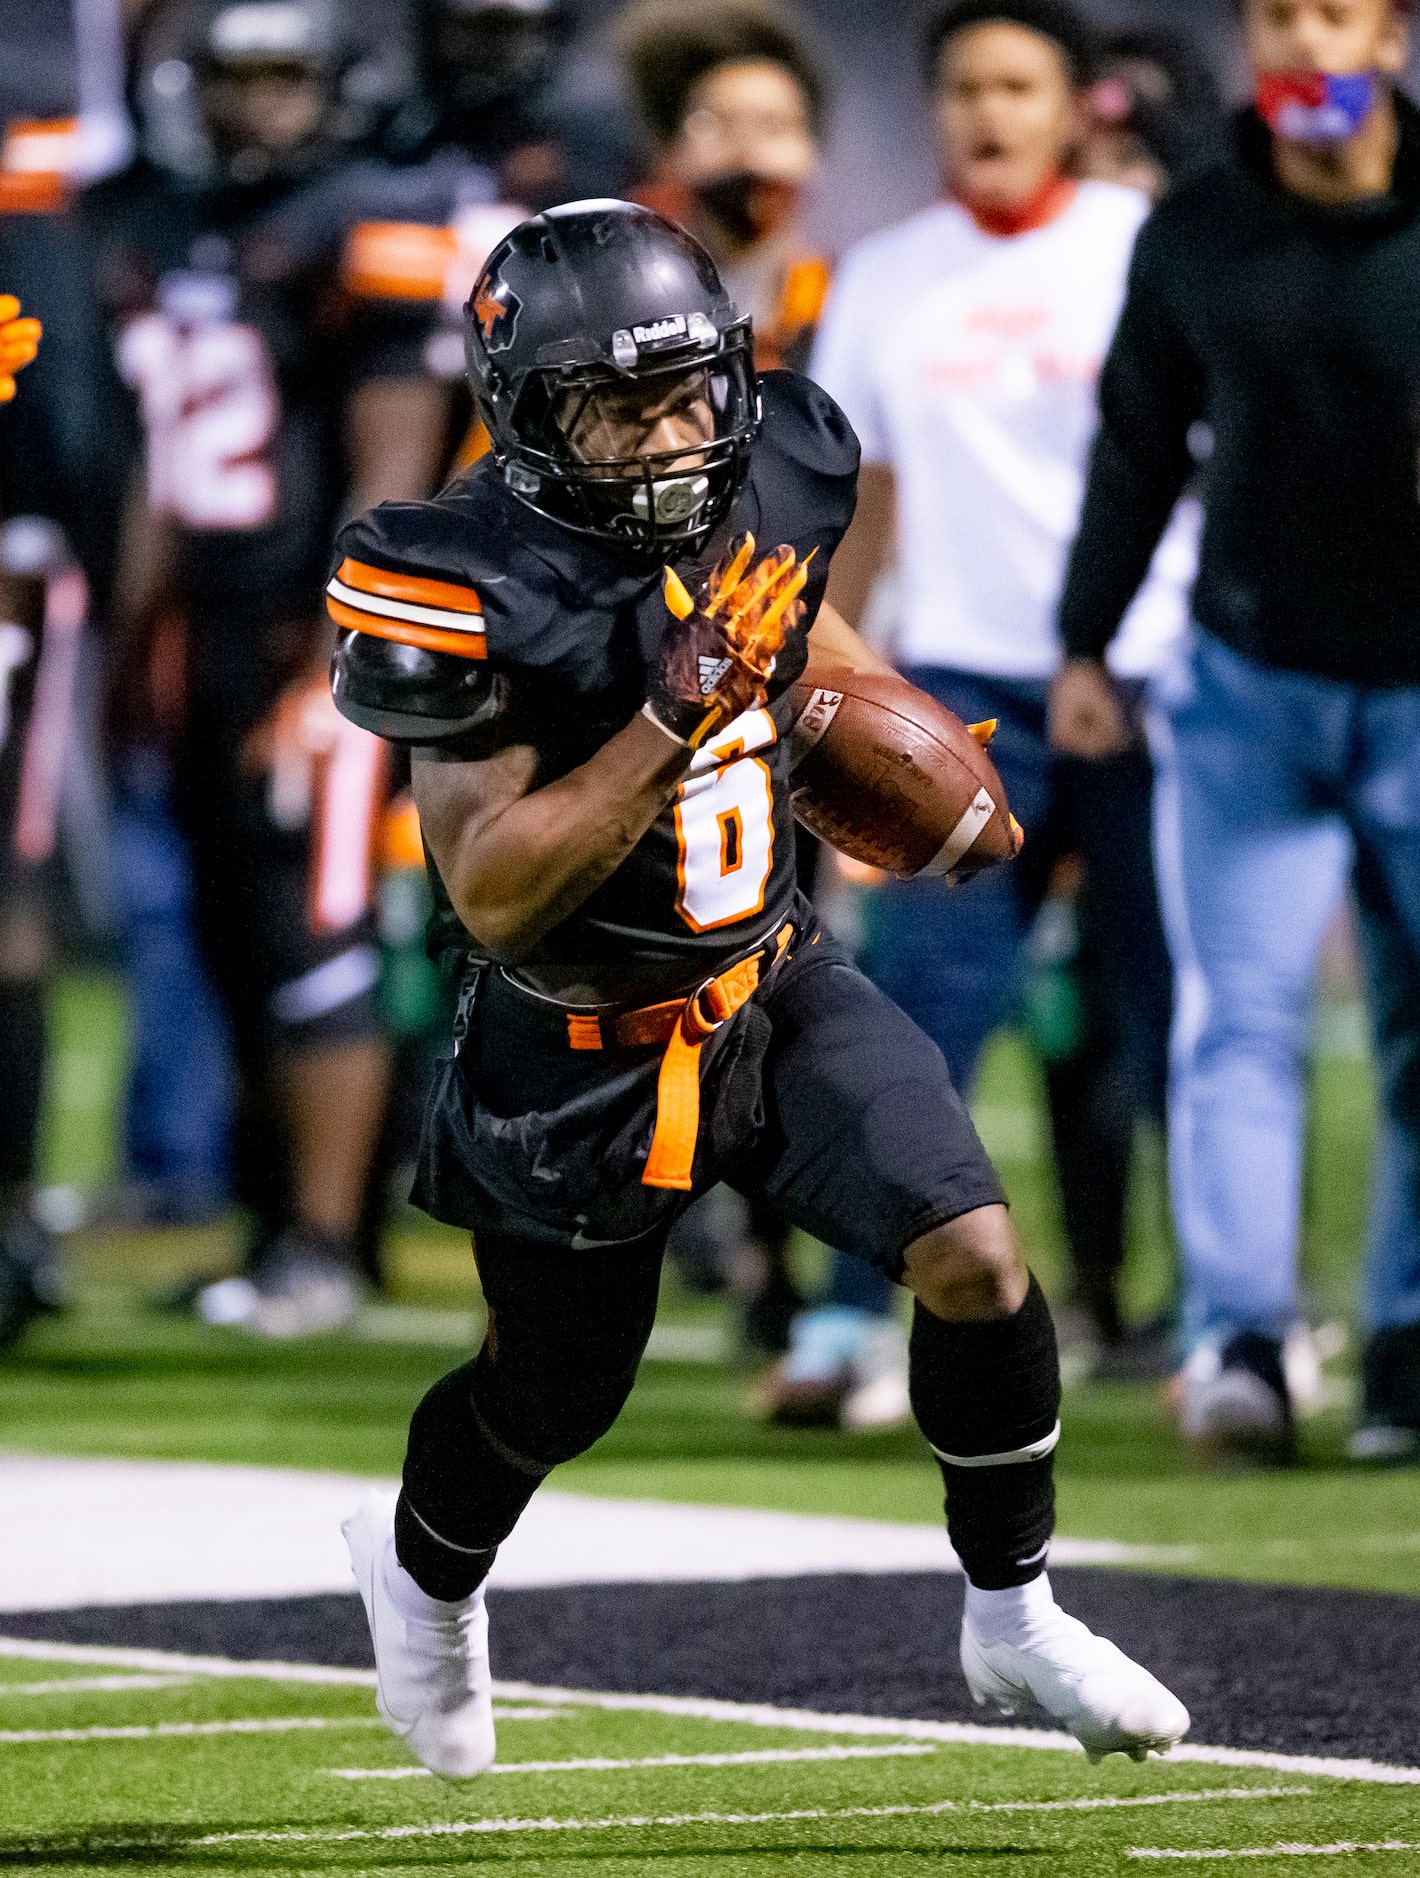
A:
<point x="660" y="332"/>
<point x="496" y="309"/>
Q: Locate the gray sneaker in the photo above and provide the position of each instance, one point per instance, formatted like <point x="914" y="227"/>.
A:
<point x="301" y="1291"/>
<point x="1235" y="1405"/>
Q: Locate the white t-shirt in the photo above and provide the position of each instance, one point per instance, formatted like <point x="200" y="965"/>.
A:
<point x="968" y="363"/>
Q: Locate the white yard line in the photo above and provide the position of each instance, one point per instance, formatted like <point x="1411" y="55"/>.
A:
<point x="1338" y="1849"/>
<point x="84" y="1685"/>
<point x="746" y="1714"/>
<point x="463" y="1827"/>
<point x="153" y="1731"/>
<point x="598" y="1764"/>
<point x="933" y="1809"/>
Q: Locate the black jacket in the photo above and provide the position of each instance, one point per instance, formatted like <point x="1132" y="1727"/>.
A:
<point x="1276" y="345"/>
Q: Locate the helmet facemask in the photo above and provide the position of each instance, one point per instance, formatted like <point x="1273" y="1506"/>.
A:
<point x="649" y="459"/>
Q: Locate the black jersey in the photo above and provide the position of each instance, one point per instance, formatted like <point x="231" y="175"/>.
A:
<point x="235" y="330"/>
<point x="56" y="451"/>
<point x="568" y="628"/>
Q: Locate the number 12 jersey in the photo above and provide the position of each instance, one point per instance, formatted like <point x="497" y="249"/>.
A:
<point x="234" y="328"/>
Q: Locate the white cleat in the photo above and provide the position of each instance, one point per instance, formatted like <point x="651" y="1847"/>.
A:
<point x="1052" y="1665"/>
<point x="435" y="1689"/>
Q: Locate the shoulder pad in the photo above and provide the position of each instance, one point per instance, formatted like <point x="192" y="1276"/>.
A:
<point x="474" y="573"/>
<point x="396" y="579"/>
<point x="803" y="478"/>
<point x="803" y="423"/>
<point x="408" y="695"/>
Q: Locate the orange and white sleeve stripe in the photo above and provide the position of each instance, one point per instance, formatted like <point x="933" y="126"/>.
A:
<point x="436" y="615"/>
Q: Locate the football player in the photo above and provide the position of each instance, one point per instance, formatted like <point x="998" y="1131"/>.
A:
<point x="27" y="1282"/>
<point x="588" y="655"/>
<point x="266" y="400"/>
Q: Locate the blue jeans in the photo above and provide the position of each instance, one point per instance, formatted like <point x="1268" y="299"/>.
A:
<point x="1270" y="784"/>
<point x="180" y="1096"/>
<point x="953" y="957"/>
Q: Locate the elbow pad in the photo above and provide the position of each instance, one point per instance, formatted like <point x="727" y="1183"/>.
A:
<point x="410" y="696"/>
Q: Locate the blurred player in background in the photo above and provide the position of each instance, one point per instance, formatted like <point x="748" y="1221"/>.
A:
<point x="964" y="346"/>
<point x="58" y="505"/>
<point x="491" y="132"/>
<point x="266" y="399"/>
<point x="734" y="97"/>
<point x="1292" y="744"/>
<point x="27" y="1279"/>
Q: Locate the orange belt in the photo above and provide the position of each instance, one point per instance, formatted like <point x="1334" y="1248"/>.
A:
<point x="683" y="1025"/>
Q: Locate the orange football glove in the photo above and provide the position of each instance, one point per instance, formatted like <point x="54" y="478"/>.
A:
<point x="717" y="654"/>
<point x="19" y="342"/>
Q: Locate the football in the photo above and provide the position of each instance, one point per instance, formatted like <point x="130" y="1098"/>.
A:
<point x="888" y="776"/>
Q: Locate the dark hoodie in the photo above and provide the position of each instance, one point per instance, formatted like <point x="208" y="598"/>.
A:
<point x="1277" y="345"/>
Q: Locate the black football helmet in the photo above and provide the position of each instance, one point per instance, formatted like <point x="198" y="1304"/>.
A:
<point x="582" y="315"/>
<point x="488" y="65"/>
<point x="182" y="49"/>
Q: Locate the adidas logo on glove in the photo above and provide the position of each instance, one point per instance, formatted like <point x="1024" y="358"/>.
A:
<point x="711" y="673"/>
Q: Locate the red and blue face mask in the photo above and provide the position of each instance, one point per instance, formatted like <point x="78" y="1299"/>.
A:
<point x="1315" y="107"/>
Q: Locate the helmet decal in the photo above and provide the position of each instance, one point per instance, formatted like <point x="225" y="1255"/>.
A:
<point x="495" y="303"/>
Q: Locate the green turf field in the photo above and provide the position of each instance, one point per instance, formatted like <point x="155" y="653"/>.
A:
<point x="115" y="1378"/>
<point x="125" y="1761"/>
<point x="128" y="1763"/>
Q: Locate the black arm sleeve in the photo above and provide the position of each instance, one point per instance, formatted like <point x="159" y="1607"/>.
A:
<point x="1151" y="394"/>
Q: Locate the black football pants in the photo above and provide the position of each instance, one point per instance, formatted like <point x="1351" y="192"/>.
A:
<point x="825" y="1101"/>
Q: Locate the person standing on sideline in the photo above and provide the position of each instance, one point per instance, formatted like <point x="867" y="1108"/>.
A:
<point x="734" y="98"/>
<point x="1270" y="327"/>
<point x="964" y="346"/>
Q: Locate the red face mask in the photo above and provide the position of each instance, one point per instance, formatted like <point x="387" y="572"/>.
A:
<point x="1316" y="107"/>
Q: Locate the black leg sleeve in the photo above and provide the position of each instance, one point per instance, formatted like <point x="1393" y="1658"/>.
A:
<point x="22" y="1046"/>
<point x="987" y="1397"/>
<point x="565" y="1336"/>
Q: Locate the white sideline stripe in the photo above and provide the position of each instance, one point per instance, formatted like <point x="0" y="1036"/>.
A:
<point x="84" y="1685"/>
<point x="1326" y="1767"/>
<point x="153" y="1731"/>
<point x="753" y="1757"/>
<point x="105" y="1532"/>
<point x="28" y="1650"/>
<point x="1335" y="1850"/>
<point x="457" y="1828"/>
<point x="748" y="1714"/>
